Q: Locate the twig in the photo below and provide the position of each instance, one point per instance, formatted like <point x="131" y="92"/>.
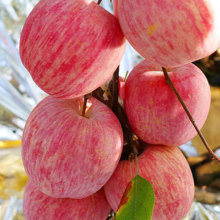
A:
<point x="169" y="82"/>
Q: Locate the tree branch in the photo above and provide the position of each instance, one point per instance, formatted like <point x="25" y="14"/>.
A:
<point x="132" y="146"/>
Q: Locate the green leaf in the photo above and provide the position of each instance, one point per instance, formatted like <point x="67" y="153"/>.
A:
<point x="138" y="201"/>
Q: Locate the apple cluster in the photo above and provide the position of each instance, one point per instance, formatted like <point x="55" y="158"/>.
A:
<point x="71" y="148"/>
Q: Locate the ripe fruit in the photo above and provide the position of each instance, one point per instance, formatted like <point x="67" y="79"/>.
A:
<point x="153" y="110"/>
<point x="171" y="32"/>
<point x="38" y="206"/>
<point x="67" y="155"/>
<point x="71" y="47"/>
<point x="168" y="172"/>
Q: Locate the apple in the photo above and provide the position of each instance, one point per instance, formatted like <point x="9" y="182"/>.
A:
<point x="71" y="47"/>
<point x="66" y="154"/>
<point x="153" y="110"/>
<point x="171" y="32"/>
<point x="169" y="173"/>
<point x="38" y="206"/>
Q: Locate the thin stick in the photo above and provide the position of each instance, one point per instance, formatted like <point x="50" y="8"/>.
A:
<point x="169" y="82"/>
<point x="99" y="2"/>
<point x="84" y="106"/>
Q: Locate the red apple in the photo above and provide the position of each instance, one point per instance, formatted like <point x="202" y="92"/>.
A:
<point x="66" y="154"/>
<point x="153" y="109"/>
<point x="38" y="206"/>
<point x="171" y="32"/>
<point x="168" y="172"/>
<point x="71" y="47"/>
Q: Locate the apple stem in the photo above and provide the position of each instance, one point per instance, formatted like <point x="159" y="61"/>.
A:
<point x="99" y="2"/>
<point x="86" y="97"/>
<point x="169" y="82"/>
<point x="84" y="106"/>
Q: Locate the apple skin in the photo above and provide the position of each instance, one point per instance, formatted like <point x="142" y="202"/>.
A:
<point x="171" y="32"/>
<point x="170" y="175"/>
<point x="71" y="47"/>
<point x="38" y="206"/>
<point x="67" y="155"/>
<point x="153" y="110"/>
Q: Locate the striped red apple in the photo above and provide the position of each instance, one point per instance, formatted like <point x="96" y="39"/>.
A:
<point x="168" y="172"/>
<point x="171" y="32"/>
<point x="69" y="155"/>
<point x="153" y="110"/>
<point x="71" y="47"/>
<point x="38" y="206"/>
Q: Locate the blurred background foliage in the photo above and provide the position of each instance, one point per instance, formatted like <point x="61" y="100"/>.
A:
<point x="19" y="95"/>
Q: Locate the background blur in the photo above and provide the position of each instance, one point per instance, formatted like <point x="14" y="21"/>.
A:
<point x="19" y="95"/>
